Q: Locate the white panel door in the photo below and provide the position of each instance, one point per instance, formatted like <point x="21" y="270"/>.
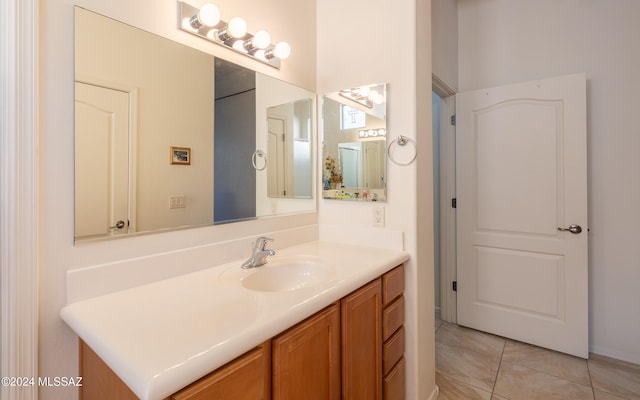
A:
<point x="101" y="161"/>
<point x="276" y="165"/>
<point x="521" y="177"/>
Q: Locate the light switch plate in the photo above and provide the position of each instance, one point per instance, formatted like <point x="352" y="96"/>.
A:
<point x="378" y="216"/>
<point x="176" y="202"/>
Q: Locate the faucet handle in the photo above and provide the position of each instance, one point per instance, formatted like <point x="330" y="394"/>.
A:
<point x="262" y="241"/>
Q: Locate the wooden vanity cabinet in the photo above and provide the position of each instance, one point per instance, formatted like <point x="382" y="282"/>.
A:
<point x="98" y="380"/>
<point x="306" y="359"/>
<point x="247" y="377"/>
<point x="353" y="349"/>
<point x="361" y="313"/>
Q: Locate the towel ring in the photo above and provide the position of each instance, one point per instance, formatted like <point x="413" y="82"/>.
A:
<point x="402" y="141"/>
<point x="259" y="153"/>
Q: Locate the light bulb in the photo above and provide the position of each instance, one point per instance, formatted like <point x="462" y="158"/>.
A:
<point x="239" y="45"/>
<point x="372" y="95"/>
<point x="379" y="99"/>
<point x="261" y="54"/>
<point x="237" y="27"/>
<point x="186" y="24"/>
<point x="364" y="91"/>
<point x="261" y="39"/>
<point x="209" y="15"/>
<point x="282" y="50"/>
<point x="211" y="35"/>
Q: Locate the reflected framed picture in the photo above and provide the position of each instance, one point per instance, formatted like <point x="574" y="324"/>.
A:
<point x="180" y="155"/>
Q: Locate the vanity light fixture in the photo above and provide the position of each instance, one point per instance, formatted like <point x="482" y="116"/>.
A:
<point x="206" y="23"/>
<point x="356" y="95"/>
<point x="369" y="133"/>
<point x="365" y="96"/>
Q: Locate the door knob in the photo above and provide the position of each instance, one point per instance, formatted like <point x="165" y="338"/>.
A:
<point x="118" y="225"/>
<point x="575" y="229"/>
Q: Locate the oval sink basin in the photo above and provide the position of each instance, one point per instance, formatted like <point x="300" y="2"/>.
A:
<point x="287" y="276"/>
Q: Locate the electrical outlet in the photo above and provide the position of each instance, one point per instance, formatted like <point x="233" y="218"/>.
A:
<point x="176" y="202"/>
<point x="378" y="216"/>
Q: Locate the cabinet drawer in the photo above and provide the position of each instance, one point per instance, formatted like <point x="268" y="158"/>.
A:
<point x="392" y="351"/>
<point x="393" y="386"/>
<point x="392" y="318"/>
<point x="392" y="284"/>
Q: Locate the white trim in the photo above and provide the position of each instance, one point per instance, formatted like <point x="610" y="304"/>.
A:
<point x="435" y="394"/>
<point x="440" y="87"/>
<point x="18" y="195"/>
<point x="447" y="191"/>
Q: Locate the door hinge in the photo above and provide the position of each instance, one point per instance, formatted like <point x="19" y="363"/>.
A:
<point x="454" y="286"/>
<point x="454" y="203"/>
<point x="453" y="120"/>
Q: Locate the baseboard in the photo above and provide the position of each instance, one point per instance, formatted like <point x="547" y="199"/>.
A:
<point x="627" y="356"/>
<point x="435" y="394"/>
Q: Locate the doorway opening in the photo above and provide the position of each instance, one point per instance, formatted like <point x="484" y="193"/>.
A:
<point x="444" y="182"/>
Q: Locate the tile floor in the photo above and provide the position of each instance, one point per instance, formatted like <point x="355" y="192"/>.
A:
<point x="474" y="365"/>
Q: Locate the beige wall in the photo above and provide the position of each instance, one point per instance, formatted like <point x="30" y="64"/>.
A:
<point x="501" y="42"/>
<point x="57" y="253"/>
<point x="359" y="43"/>
<point x="444" y="31"/>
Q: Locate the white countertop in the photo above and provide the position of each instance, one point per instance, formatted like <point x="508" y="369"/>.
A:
<point x="160" y="337"/>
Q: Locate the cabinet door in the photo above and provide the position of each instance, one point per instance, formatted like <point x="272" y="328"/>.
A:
<point x="99" y="381"/>
<point x="248" y="378"/>
<point x="362" y="343"/>
<point x="306" y="359"/>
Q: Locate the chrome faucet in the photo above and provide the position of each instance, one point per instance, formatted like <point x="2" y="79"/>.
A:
<point x="260" y="253"/>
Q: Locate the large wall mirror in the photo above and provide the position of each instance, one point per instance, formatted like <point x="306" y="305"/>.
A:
<point x="354" y="144"/>
<point x="169" y="137"/>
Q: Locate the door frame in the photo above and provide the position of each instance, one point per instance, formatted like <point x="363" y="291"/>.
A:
<point x="447" y="191"/>
<point x="19" y="194"/>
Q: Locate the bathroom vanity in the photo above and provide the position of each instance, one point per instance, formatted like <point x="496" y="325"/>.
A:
<point x="335" y="331"/>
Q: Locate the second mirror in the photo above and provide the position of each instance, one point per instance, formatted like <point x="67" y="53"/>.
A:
<point x="354" y="144"/>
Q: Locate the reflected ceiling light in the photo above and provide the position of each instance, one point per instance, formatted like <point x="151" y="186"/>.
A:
<point x="372" y="133"/>
<point x="366" y="96"/>
<point x="206" y="23"/>
<point x="364" y="91"/>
